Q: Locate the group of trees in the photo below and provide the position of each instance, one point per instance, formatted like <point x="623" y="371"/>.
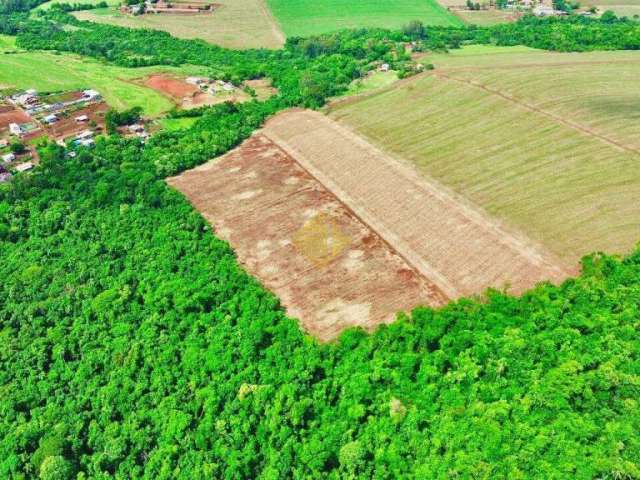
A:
<point x="133" y="345"/>
<point x="114" y="118"/>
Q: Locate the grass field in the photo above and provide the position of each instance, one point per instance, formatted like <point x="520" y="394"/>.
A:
<point x="174" y="124"/>
<point x="546" y="142"/>
<point x="306" y="17"/>
<point x="7" y="43"/>
<point x="236" y="24"/>
<point x="66" y="72"/>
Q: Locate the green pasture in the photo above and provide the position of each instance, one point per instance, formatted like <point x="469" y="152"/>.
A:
<point x="306" y="17"/>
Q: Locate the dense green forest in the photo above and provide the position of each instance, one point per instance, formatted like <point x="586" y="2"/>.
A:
<point x="133" y="345"/>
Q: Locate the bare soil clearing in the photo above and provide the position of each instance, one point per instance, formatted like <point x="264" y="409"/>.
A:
<point x="328" y="268"/>
<point x="186" y="95"/>
<point x="173" y="87"/>
<point x="450" y="241"/>
<point x="10" y="114"/>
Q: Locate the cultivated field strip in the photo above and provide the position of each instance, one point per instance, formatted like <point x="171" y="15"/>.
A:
<point x="327" y="267"/>
<point x="546" y="142"/>
<point x="449" y="241"/>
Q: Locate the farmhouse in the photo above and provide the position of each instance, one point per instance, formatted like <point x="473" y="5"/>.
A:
<point x="546" y="11"/>
<point x="90" y="95"/>
<point x="5" y="177"/>
<point x="82" y="118"/>
<point x="136" y="127"/>
<point x="9" y="157"/>
<point x="51" y="118"/>
<point x="15" y="129"/>
<point x="24" y="167"/>
<point x="84" y="135"/>
<point x="26" y="98"/>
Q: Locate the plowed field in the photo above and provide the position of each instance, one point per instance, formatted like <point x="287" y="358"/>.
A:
<point x="450" y="241"/>
<point x="329" y="268"/>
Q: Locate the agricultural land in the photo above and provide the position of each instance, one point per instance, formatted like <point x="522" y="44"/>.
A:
<point x="546" y="142"/>
<point x="629" y="8"/>
<point x="395" y="254"/>
<point x="305" y="17"/>
<point x="330" y="270"/>
<point x="235" y="24"/>
<point x="68" y="72"/>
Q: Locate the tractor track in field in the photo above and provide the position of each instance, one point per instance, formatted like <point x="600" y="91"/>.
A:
<point x="557" y="118"/>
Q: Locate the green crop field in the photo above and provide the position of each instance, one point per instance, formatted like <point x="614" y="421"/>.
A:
<point x="49" y="72"/>
<point x="237" y="24"/>
<point x="305" y="17"/>
<point x="7" y="43"/>
<point x="548" y="142"/>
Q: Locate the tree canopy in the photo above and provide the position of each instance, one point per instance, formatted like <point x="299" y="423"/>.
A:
<point x="134" y="346"/>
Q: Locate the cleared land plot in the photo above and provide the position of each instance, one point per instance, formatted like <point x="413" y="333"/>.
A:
<point x="449" y="241"/>
<point x="186" y="96"/>
<point x="328" y="268"/>
<point x="236" y="24"/>
<point x="9" y="114"/>
<point x="628" y="8"/>
<point x="307" y="17"/>
<point x="70" y="72"/>
<point x="546" y="142"/>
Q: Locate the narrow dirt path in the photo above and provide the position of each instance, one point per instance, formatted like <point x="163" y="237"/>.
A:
<point x="275" y="26"/>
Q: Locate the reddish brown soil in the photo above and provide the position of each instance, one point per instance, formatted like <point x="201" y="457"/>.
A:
<point x="9" y="114"/>
<point x="67" y="126"/>
<point x="172" y="87"/>
<point x="450" y="241"/>
<point x="329" y="269"/>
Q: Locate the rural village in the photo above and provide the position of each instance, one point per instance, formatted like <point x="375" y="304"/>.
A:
<point x="74" y="118"/>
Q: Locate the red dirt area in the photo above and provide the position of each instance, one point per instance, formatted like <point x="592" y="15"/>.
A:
<point x="172" y="87"/>
<point x="449" y="240"/>
<point x="67" y="126"/>
<point x="9" y="114"/>
<point x="329" y="269"/>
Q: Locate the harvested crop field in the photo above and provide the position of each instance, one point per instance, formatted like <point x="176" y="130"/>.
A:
<point x="546" y="142"/>
<point x="450" y="241"/>
<point x="327" y="267"/>
<point x="234" y="24"/>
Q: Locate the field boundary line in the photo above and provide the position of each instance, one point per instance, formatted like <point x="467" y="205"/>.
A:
<point x="519" y="244"/>
<point x="273" y="22"/>
<point x="412" y="258"/>
<point x="564" y="121"/>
